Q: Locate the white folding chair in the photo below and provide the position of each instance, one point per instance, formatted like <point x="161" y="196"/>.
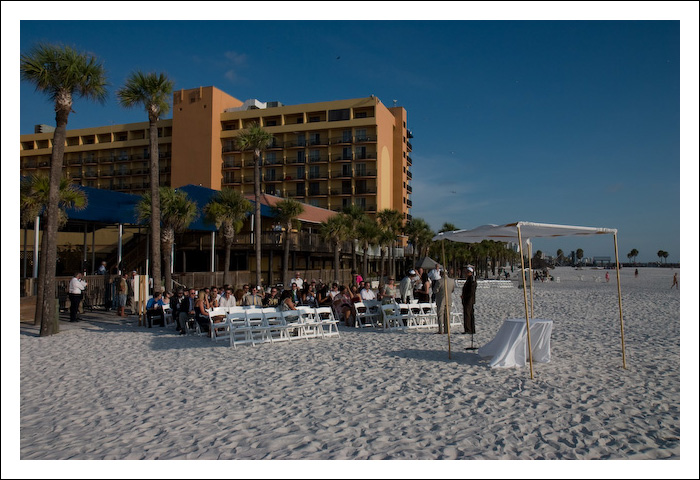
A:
<point x="407" y="316"/>
<point x="310" y="326"/>
<point x="218" y="326"/>
<point x="363" y="317"/>
<point x="294" y="325"/>
<point x="391" y="316"/>
<point x="277" y="327"/>
<point x="259" y="331"/>
<point x="239" y="331"/>
<point x="325" y="317"/>
<point x="429" y="314"/>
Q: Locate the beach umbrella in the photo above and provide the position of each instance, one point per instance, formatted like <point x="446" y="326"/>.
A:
<point x="426" y="263"/>
<point x="517" y="231"/>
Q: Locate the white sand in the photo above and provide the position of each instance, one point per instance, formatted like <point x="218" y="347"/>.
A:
<point x="112" y="390"/>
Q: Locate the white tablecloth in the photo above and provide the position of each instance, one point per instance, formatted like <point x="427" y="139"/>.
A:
<point x="509" y="346"/>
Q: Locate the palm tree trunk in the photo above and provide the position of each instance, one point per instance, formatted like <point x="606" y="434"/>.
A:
<point x="156" y="257"/>
<point x="285" y="256"/>
<point x="336" y="262"/>
<point x="168" y="254"/>
<point x="381" y="263"/>
<point x="227" y="260"/>
<point x="258" y="229"/>
<point x="41" y="272"/>
<point x="48" y="324"/>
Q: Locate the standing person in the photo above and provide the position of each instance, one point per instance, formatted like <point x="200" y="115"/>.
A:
<point x="187" y="310"/>
<point x="406" y="287"/>
<point x="425" y="290"/>
<point x="297" y="280"/>
<point x="390" y="292"/>
<point x="75" y="293"/>
<point x="675" y="281"/>
<point x="468" y="299"/>
<point x="102" y="269"/>
<point x="122" y="292"/>
<point x="636" y="273"/>
<point x="607" y="276"/>
<point x="131" y="300"/>
<point x="443" y="305"/>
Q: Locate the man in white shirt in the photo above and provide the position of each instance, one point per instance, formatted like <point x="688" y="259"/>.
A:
<point x="75" y="293"/>
<point x="406" y="286"/>
<point x="298" y="280"/>
<point x="228" y="300"/>
<point x="366" y="293"/>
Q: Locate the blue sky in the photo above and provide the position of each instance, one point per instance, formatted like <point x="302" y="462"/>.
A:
<point x="569" y="122"/>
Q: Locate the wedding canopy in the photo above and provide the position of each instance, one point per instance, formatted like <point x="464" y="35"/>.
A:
<point x="516" y="232"/>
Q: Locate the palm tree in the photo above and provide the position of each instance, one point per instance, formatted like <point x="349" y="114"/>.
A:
<point x="354" y="215"/>
<point x="177" y="212"/>
<point x="633" y="254"/>
<point x="227" y="211"/>
<point x="286" y="212"/>
<point x="61" y="73"/>
<point x="560" y="253"/>
<point x="579" y="254"/>
<point x="152" y="91"/>
<point x="367" y="232"/>
<point x="391" y="221"/>
<point x="665" y="256"/>
<point x="419" y="234"/>
<point x="335" y="230"/>
<point x="34" y="197"/>
<point x="660" y="254"/>
<point x="256" y="139"/>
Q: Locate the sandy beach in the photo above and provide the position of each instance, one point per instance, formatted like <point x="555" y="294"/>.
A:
<point x="106" y="388"/>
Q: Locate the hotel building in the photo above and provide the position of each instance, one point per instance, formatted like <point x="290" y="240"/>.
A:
<point x="327" y="154"/>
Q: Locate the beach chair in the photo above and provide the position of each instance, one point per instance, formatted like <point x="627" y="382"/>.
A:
<point x="168" y="315"/>
<point x="326" y="319"/>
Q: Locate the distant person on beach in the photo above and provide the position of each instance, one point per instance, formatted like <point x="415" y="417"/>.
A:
<point x="636" y="273"/>
<point x="122" y="292"/>
<point x="607" y="277"/>
<point x="468" y="300"/>
<point x="75" y="293"/>
<point x="675" y="281"/>
<point x="444" y="287"/>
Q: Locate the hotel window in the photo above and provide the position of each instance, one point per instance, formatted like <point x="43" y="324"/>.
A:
<point x="300" y="190"/>
<point x="300" y="156"/>
<point x="346" y="171"/>
<point x="300" y="173"/>
<point x="363" y="203"/>
<point x="314" y="188"/>
<point x="271" y="158"/>
<point x="315" y="156"/>
<point x="314" y="139"/>
<point x="360" y="152"/>
<point x="347" y="153"/>
<point x="270" y="175"/>
<point x="338" y="115"/>
<point x="347" y="136"/>
<point x="361" y="135"/>
<point x="314" y="171"/>
<point x="360" y="169"/>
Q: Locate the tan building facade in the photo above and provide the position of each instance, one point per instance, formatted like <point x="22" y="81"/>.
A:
<point x="328" y="154"/>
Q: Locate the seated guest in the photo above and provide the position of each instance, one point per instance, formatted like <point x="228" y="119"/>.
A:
<point x="272" y="299"/>
<point x="187" y="310"/>
<point x="227" y="299"/>
<point x="310" y="299"/>
<point x="344" y="307"/>
<point x="202" y="307"/>
<point x="286" y="301"/>
<point x="354" y="294"/>
<point x="366" y="293"/>
<point x="154" y="308"/>
<point x="296" y="294"/>
<point x="390" y="292"/>
<point x="253" y="298"/>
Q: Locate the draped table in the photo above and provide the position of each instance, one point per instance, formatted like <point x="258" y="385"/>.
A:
<point x="509" y="346"/>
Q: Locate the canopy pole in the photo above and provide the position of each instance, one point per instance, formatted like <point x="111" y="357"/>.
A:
<point x="527" y="317"/>
<point x="529" y="259"/>
<point x="447" y="309"/>
<point x="619" y="300"/>
<point x="120" y="236"/>
<point x="213" y="250"/>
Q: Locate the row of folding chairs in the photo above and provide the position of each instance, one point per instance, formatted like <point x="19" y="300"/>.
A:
<point x="251" y="326"/>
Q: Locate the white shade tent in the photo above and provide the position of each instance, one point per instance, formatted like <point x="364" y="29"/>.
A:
<point x="516" y="232"/>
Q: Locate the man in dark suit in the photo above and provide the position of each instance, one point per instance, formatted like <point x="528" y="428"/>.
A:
<point x="186" y="310"/>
